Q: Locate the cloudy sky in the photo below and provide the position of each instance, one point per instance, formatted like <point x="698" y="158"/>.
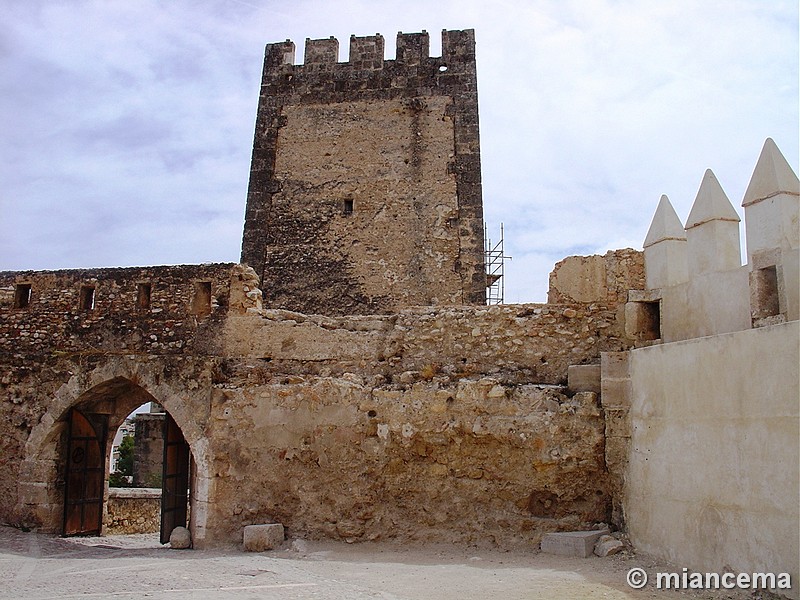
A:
<point x="127" y="126"/>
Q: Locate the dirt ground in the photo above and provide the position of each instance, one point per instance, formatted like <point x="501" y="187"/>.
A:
<point x="39" y="567"/>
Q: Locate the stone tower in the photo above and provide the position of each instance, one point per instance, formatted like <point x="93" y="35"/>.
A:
<point x="365" y="183"/>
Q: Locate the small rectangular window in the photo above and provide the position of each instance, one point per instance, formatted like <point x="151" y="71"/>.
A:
<point x="201" y="303"/>
<point x="765" y="296"/>
<point x="87" y="297"/>
<point x="347" y="207"/>
<point x="22" y="295"/>
<point x="143" y="296"/>
<point x="651" y="320"/>
<point x="643" y="320"/>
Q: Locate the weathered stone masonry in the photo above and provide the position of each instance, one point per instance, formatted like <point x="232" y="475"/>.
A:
<point x="448" y="423"/>
<point x="365" y="186"/>
<point x="348" y="383"/>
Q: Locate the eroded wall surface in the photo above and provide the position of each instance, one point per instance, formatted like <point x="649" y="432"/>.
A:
<point x="365" y="183"/>
<point x="434" y="423"/>
<point x="712" y="481"/>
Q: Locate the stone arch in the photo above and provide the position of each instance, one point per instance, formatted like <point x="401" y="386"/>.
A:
<point x="117" y="386"/>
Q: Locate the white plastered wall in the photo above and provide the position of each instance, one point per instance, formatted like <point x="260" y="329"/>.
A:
<point x="712" y="483"/>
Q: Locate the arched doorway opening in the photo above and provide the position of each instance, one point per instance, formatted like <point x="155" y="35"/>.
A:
<point x="150" y="471"/>
<point x="68" y="460"/>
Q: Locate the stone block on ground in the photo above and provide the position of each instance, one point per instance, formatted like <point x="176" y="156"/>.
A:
<point x="180" y="538"/>
<point x="572" y="543"/>
<point x="258" y="538"/>
<point x="607" y="545"/>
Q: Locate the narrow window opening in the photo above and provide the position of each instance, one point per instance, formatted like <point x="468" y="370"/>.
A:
<point x="643" y="320"/>
<point x="22" y="295"/>
<point x="651" y="320"/>
<point x="87" y="297"/>
<point x="347" y="207"/>
<point x="201" y="304"/>
<point x="143" y="296"/>
<point x="766" y="299"/>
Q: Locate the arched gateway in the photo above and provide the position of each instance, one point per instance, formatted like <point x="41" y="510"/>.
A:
<point x="63" y="478"/>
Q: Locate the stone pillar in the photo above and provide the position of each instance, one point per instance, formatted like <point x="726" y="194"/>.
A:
<point x="615" y="398"/>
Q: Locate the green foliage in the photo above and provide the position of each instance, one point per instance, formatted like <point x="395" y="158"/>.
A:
<point x="153" y="480"/>
<point x="125" y="462"/>
<point x="122" y="476"/>
<point x="117" y="480"/>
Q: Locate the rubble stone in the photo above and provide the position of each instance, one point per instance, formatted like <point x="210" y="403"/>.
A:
<point x="259" y="538"/>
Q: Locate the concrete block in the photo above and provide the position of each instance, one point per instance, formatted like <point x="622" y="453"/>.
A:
<point x="572" y="543"/>
<point x="258" y="538"/>
<point x="583" y="378"/>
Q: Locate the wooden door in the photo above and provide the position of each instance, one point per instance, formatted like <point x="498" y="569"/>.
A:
<point x="174" y="480"/>
<point x="85" y="475"/>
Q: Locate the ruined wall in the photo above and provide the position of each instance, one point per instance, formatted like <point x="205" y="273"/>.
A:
<point x="467" y="462"/>
<point x="49" y="340"/>
<point x="365" y="184"/>
<point x="524" y="343"/>
<point x="447" y="423"/>
<point x="605" y="279"/>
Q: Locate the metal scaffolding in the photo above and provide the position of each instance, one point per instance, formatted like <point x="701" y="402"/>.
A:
<point x="493" y="259"/>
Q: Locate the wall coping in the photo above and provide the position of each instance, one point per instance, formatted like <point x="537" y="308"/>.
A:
<point x="132" y="493"/>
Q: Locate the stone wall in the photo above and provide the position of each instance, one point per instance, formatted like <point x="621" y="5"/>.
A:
<point x="472" y="462"/>
<point x="435" y="423"/>
<point x="157" y="310"/>
<point x="50" y="341"/>
<point x="148" y="450"/>
<point x="524" y="343"/>
<point x="133" y="510"/>
<point x="591" y="279"/>
<point x="365" y="184"/>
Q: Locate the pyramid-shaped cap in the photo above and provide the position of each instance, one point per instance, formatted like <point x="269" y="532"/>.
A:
<point x="665" y="225"/>
<point x="772" y="176"/>
<point x="711" y="203"/>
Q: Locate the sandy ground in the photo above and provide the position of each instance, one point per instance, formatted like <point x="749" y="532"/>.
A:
<point x="38" y="567"/>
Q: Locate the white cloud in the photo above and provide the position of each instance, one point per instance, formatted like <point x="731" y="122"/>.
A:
<point x="128" y="126"/>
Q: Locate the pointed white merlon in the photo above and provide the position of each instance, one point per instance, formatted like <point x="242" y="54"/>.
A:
<point x="772" y="176"/>
<point x="665" y="224"/>
<point x="711" y="203"/>
<point x="665" y="249"/>
<point x="772" y="225"/>
<point x="712" y="230"/>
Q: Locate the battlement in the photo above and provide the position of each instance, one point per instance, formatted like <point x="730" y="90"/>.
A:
<point x="348" y="157"/>
<point x="694" y="272"/>
<point x="158" y="310"/>
<point x="368" y="52"/>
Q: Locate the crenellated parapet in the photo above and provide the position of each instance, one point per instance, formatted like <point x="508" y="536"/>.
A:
<point x="358" y="164"/>
<point x="696" y="282"/>
<point x="163" y="310"/>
